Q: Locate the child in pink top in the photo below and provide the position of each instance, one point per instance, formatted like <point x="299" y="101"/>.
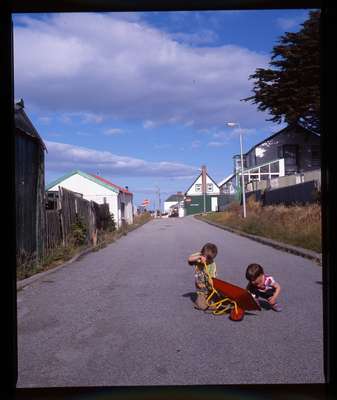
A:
<point x="262" y="285"/>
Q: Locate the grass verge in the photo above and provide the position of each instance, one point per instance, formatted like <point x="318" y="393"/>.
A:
<point x="296" y="225"/>
<point x="28" y="266"/>
<point x="106" y="237"/>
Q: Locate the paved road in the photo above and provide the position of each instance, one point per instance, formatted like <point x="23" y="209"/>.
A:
<point x="124" y="316"/>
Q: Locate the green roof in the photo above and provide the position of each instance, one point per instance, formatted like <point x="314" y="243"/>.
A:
<point x="175" y="197"/>
<point x="85" y="175"/>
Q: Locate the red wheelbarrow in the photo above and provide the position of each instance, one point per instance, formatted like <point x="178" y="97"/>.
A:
<point x="232" y="299"/>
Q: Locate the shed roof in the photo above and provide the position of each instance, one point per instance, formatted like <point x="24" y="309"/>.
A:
<point x="175" y="197"/>
<point x="94" y="178"/>
<point x="24" y="124"/>
<point x="121" y="189"/>
<point x="228" y="178"/>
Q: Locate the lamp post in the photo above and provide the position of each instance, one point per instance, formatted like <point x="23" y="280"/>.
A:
<point x="232" y="125"/>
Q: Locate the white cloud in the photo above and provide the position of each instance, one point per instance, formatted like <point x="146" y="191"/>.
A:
<point x="65" y="119"/>
<point x="291" y="22"/>
<point x="62" y="157"/>
<point x="221" y="135"/>
<point x="96" y="65"/>
<point x="188" y="177"/>
<point x="83" y="117"/>
<point x="45" y="120"/>
<point x="203" y="37"/>
<point x="113" y="131"/>
<point x="91" y="118"/>
<point x="235" y="133"/>
<point x="204" y="130"/>
<point x="149" y="124"/>
<point x="222" y="138"/>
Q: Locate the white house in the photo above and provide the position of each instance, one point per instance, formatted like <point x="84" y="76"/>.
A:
<point x="172" y="200"/>
<point x="227" y="185"/>
<point x="290" y="151"/>
<point x="202" y="195"/>
<point x="100" y="190"/>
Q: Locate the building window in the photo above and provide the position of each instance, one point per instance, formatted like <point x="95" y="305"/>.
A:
<point x="198" y="187"/>
<point x="280" y="152"/>
<point x="252" y="159"/>
<point x="209" y="187"/>
<point x="290" y="154"/>
<point x="237" y="162"/>
<point x="315" y="156"/>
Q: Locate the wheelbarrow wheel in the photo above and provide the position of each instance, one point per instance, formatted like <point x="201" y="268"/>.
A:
<point x="237" y="314"/>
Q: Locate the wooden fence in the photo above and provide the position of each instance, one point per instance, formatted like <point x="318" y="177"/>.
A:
<point x="59" y="223"/>
<point x="53" y="233"/>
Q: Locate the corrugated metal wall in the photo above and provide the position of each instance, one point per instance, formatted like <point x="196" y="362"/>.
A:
<point x="29" y="185"/>
<point x="224" y="200"/>
<point x="301" y="193"/>
<point x="196" y="205"/>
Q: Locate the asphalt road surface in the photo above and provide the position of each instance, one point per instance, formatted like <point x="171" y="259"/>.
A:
<point x="124" y="316"/>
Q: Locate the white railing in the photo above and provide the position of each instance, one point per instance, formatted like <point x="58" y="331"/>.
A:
<point x="284" y="181"/>
<point x="269" y="170"/>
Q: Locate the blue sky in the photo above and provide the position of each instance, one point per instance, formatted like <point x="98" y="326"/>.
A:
<point x="142" y="98"/>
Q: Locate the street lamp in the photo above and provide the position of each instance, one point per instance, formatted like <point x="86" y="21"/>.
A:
<point x="233" y="125"/>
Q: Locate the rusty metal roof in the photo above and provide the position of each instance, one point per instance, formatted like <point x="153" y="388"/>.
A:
<point x="24" y="124"/>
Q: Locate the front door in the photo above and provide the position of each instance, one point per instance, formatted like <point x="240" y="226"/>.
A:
<point x="214" y="203"/>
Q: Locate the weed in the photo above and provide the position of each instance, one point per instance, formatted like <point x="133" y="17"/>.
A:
<point x="79" y="231"/>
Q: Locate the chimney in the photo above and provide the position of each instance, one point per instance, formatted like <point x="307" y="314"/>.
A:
<point x="203" y="178"/>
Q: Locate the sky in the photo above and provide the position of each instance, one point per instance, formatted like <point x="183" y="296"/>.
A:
<point x="143" y="98"/>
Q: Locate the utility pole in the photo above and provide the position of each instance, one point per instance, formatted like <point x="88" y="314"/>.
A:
<point x="231" y="125"/>
<point x="159" y="200"/>
<point x="203" y="184"/>
<point x="243" y="180"/>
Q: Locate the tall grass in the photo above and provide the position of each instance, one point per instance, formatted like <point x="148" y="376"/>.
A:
<point x="296" y="225"/>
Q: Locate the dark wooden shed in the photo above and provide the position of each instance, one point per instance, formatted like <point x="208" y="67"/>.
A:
<point x="29" y="187"/>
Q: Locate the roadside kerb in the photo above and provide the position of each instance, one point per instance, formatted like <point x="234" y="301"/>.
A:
<point x="317" y="257"/>
<point x="24" y="282"/>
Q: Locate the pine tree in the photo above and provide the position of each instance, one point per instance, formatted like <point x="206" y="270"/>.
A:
<point x="290" y="91"/>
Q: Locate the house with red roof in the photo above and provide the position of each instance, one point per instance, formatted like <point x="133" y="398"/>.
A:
<point x="95" y="188"/>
